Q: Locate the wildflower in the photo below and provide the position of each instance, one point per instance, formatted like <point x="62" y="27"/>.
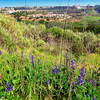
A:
<point x="82" y="71"/>
<point x="47" y="82"/>
<point x="94" y="82"/>
<point x="86" y="93"/>
<point x="72" y="63"/>
<point x="87" y="80"/>
<point x="38" y="61"/>
<point x="8" y="87"/>
<point x="32" y="59"/>
<point x="80" y="81"/>
<point x="55" y="70"/>
<point x="93" y="98"/>
<point x="66" y="58"/>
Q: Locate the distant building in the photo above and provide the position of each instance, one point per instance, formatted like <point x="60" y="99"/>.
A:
<point x="77" y="6"/>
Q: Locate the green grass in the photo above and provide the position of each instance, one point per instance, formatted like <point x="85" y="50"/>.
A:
<point x="91" y="18"/>
<point x="29" y="81"/>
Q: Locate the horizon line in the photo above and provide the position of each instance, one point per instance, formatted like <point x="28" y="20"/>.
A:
<point x="49" y="5"/>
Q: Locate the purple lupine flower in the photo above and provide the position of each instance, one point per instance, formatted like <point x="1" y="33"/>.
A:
<point x="8" y="87"/>
<point x="82" y="71"/>
<point x="86" y="93"/>
<point x="38" y="61"/>
<point x="47" y="82"/>
<point x="72" y="63"/>
<point x="93" y="98"/>
<point x="94" y="82"/>
<point x="87" y="80"/>
<point x="80" y="81"/>
<point x="55" y="70"/>
<point x="66" y="57"/>
<point x="32" y="59"/>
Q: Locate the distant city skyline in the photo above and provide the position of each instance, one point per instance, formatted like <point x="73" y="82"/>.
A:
<point x="16" y="3"/>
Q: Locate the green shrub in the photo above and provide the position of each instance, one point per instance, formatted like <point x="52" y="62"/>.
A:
<point x="56" y="31"/>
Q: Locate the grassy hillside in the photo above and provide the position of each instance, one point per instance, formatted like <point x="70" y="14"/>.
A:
<point x="11" y="33"/>
<point x="36" y="38"/>
<point x="39" y="63"/>
<point x="15" y="35"/>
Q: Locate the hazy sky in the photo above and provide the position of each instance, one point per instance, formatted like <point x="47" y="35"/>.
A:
<point x="8" y="3"/>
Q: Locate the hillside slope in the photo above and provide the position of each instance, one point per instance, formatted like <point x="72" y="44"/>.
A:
<point x="14" y="35"/>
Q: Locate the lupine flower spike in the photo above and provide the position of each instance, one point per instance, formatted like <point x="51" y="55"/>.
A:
<point x="66" y="56"/>
<point x="87" y="80"/>
<point x="86" y="93"/>
<point x="80" y="81"/>
<point x="32" y="59"/>
<point x="38" y="61"/>
<point x="55" y="70"/>
<point x="8" y="87"/>
<point x="94" y="82"/>
<point x="82" y="71"/>
<point x="72" y="64"/>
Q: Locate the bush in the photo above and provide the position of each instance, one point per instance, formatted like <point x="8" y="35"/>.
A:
<point x="57" y="32"/>
<point x="88" y="41"/>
